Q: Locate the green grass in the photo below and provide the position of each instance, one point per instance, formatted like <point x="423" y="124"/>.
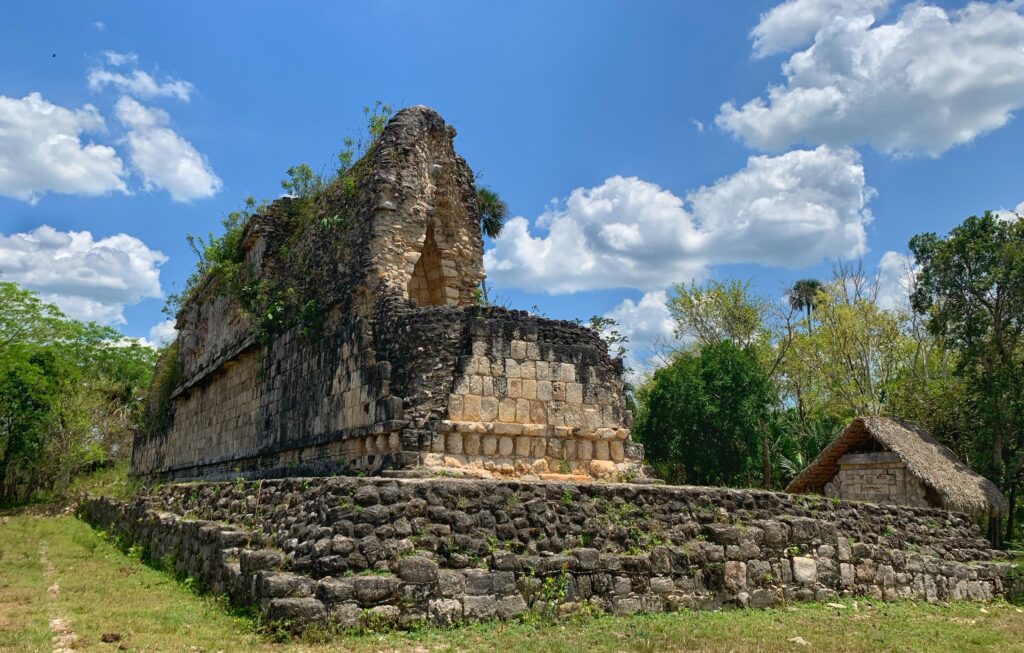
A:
<point x="102" y="590"/>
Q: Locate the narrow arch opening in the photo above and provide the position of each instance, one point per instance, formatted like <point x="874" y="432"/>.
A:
<point x="426" y="286"/>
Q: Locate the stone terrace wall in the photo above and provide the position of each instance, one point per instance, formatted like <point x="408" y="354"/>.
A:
<point x="376" y="551"/>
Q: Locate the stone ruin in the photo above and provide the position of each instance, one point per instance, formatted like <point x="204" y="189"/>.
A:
<point x="409" y="378"/>
<point x="408" y="374"/>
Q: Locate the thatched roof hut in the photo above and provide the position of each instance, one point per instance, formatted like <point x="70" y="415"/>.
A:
<point x="948" y="483"/>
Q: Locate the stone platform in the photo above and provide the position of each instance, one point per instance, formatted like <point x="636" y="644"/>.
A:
<point x="371" y="551"/>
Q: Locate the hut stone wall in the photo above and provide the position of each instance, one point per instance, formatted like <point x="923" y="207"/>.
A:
<point x="879" y="477"/>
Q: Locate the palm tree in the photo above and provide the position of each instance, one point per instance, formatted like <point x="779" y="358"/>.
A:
<point x="493" y="212"/>
<point x="803" y="296"/>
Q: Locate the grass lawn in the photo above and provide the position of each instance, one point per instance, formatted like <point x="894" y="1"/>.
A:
<point x="103" y="591"/>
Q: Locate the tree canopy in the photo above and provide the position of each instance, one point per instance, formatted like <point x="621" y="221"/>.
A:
<point x="70" y="394"/>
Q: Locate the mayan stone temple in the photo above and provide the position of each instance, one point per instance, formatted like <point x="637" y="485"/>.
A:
<point x="396" y="454"/>
<point x="408" y="375"/>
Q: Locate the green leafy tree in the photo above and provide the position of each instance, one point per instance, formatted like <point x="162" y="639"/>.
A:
<point x="970" y="285"/>
<point x="853" y="354"/>
<point x="703" y="414"/>
<point x="716" y="311"/>
<point x="70" y="395"/>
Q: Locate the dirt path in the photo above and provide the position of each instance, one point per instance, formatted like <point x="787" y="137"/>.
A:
<point x="64" y="637"/>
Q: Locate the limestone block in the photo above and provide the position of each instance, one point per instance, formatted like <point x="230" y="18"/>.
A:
<point x="489" y="444"/>
<point x="515" y="388"/>
<point x="603" y="469"/>
<point x="511" y="368"/>
<point x="538" y="412"/>
<point x="455" y="406"/>
<point x="453" y="443"/>
<point x="488" y="409"/>
<point x="506" y="446"/>
<point x="471" y="408"/>
<point x="523" y="445"/>
<point x="544" y="390"/>
<point x="616" y="451"/>
<point x="735" y="575"/>
<point x="565" y="372"/>
<point x="574" y="393"/>
<point x="558" y="390"/>
<point x="518" y="348"/>
<point x="542" y="370"/>
<point x="507" y="410"/>
<point x="584" y="449"/>
<point x="805" y="570"/>
<point x="476" y="385"/>
<point x="528" y="370"/>
<point x="529" y="389"/>
<point x="522" y="411"/>
<point x="568" y="449"/>
<point x="538" y="447"/>
<point x="601" y="450"/>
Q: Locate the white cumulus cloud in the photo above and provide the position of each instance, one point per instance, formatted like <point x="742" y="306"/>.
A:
<point x="41" y="150"/>
<point x="648" y="325"/>
<point x="929" y="81"/>
<point x="138" y="82"/>
<point x="794" y="23"/>
<point x="162" y="334"/>
<point x="895" y="280"/>
<point x="88" y="279"/>
<point x="162" y="157"/>
<point x="791" y="210"/>
<point x="1007" y="214"/>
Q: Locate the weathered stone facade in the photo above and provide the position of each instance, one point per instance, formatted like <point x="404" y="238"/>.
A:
<point x="881" y="477"/>
<point x="409" y="373"/>
<point x="378" y="551"/>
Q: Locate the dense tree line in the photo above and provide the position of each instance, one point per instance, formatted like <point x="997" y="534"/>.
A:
<point x="70" y="395"/>
<point x="761" y="386"/>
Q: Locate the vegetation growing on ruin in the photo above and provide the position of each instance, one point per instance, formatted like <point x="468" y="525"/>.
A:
<point x="295" y="291"/>
<point x="288" y="294"/>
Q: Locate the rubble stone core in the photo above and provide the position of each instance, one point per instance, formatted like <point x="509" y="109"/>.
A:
<point x="409" y="375"/>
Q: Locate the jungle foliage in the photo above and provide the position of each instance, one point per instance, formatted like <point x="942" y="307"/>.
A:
<point x="950" y="357"/>
<point x="70" y="395"/>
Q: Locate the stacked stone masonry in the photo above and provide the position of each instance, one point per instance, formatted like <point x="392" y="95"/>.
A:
<point x="409" y="375"/>
<point x="880" y="477"/>
<point x="357" y="552"/>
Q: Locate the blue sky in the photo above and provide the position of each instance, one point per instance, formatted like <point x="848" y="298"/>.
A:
<point x="621" y="134"/>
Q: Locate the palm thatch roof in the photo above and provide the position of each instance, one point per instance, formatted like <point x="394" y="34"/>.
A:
<point x="957" y="486"/>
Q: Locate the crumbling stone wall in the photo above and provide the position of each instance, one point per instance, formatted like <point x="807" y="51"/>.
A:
<point x="881" y="477"/>
<point x="377" y="551"/>
<point x="407" y="374"/>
